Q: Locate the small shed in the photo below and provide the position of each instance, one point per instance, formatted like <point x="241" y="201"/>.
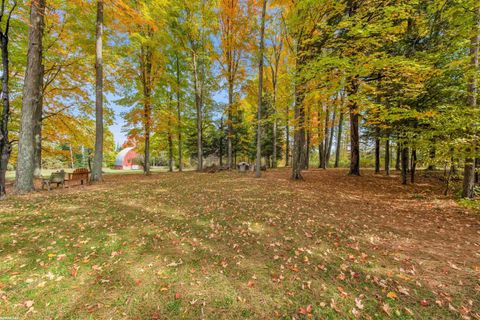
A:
<point x="243" y="166"/>
<point x="125" y="160"/>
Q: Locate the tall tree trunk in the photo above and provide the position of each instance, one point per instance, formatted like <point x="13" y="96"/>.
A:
<point x="221" y="142"/>
<point x="404" y="165"/>
<point x="339" y="140"/>
<point x="260" y="92"/>
<point x="37" y="133"/>
<point x="287" y="136"/>
<point x="230" y="126"/>
<point x="98" y="156"/>
<point x="198" y="107"/>
<point x="321" y="141"/>
<point x="325" y="136"/>
<point x="387" y="157"/>
<point x="413" y="165"/>
<point x="275" y="123"/>
<point x="31" y="96"/>
<point x="5" y="143"/>
<point x="398" y="157"/>
<point x="179" y="119"/>
<point x="308" y="138"/>
<point x="354" y="130"/>
<point x="377" y="154"/>
<point x="469" y="171"/>
<point x="146" y="66"/>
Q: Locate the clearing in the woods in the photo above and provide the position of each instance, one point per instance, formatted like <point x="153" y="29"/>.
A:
<point x="229" y="246"/>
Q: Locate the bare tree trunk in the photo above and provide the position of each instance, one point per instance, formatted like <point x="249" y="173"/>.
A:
<point x="198" y="107"/>
<point x="354" y="131"/>
<point x="325" y="136"/>
<point x="179" y="119"/>
<point x="260" y="92"/>
<point x="321" y="141"/>
<point x="230" y="126"/>
<point x="5" y="143"/>
<point x="287" y="137"/>
<point x="98" y="156"/>
<point x="404" y="165"/>
<point x="413" y="165"/>
<point x="274" y="157"/>
<point x="469" y="171"/>
<point x="31" y="96"/>
<point x="387" y="157"/>
<point x="377" y="151"/>
<point x="339" y="140"/>
<point x="398" y="157"/>
<point x="308" y="138"/>
<point x="37" y="134"/>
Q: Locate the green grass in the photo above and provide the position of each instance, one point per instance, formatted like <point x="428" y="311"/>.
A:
<point x="192" y="246"/>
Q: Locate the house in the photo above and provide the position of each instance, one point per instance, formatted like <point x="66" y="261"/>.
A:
<point x="127" y="159"/>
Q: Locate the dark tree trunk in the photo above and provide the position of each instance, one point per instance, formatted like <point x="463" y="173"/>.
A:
<point x="146" y="66"/>
<point x="198" y="107"/>
<point x="404" y="161"/>
<point x="398" y="157"/>
<point x="387" y="157"/>
<point x="260" y="92"/>
<point x="31" y="97"/>
<point x="230" y="126"/>
<point x="5" y="143"/>
<point x="179" y="118"/>
<point x="98" y="156"/>
<point x="377" y="155"/>
<point x="321" y="143"/>
<point x="308" y="139"/>
<point x="413" y="165"/>
<point x="354" y="131"/>
<point x="339" y="140"/>
<point x="432" y="155"/>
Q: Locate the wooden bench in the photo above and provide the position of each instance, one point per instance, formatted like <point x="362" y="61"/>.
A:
<point x="57" y="178"/>
<point x="80" y="174"/>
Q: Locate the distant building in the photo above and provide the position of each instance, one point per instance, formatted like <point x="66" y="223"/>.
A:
<point x="125" y="160"/>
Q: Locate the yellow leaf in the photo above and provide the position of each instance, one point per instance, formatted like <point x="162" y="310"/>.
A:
<point x="392" y="295"/>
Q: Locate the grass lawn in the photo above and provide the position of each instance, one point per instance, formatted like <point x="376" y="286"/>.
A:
<point x="229" y="246"/>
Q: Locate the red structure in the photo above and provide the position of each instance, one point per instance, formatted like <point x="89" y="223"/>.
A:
<point x="125" y="160"/>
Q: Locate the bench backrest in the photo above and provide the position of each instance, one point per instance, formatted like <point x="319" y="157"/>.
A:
<point x="81" y="170"/>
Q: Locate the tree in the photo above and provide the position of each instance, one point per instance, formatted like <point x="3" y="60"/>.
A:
<point x="469" y="171"/>
<point x="260" y="91"/>
<point x="31" y="98"/>
<point x="5" y="143"/>
<point x="98" y="157"/>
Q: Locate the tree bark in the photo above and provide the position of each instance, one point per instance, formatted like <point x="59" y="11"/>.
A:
<point x="377" y="154"/>
<point x="230" y="126"/>
<point x="339" y="140"/>
<point x="387" y="157"/>
<point x="37" y="134"/>
<point x="469" y="171"/>
<point x="354" y="130"/>
<point x="31" y="96"/>
<point x="98" y="156"/>
<point x="398" y="157"/>
<point x="404" y="165"/>
<point x="287" y="137"/>
<point x="321" y="141"/>
<point x="179" y="119"/>
<point x="5" y="143"/>
<point x="146" y="66"/>
<point x="260" y="92"/>
<point x="198" y="108"/>
<point x="413" y="165"/>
